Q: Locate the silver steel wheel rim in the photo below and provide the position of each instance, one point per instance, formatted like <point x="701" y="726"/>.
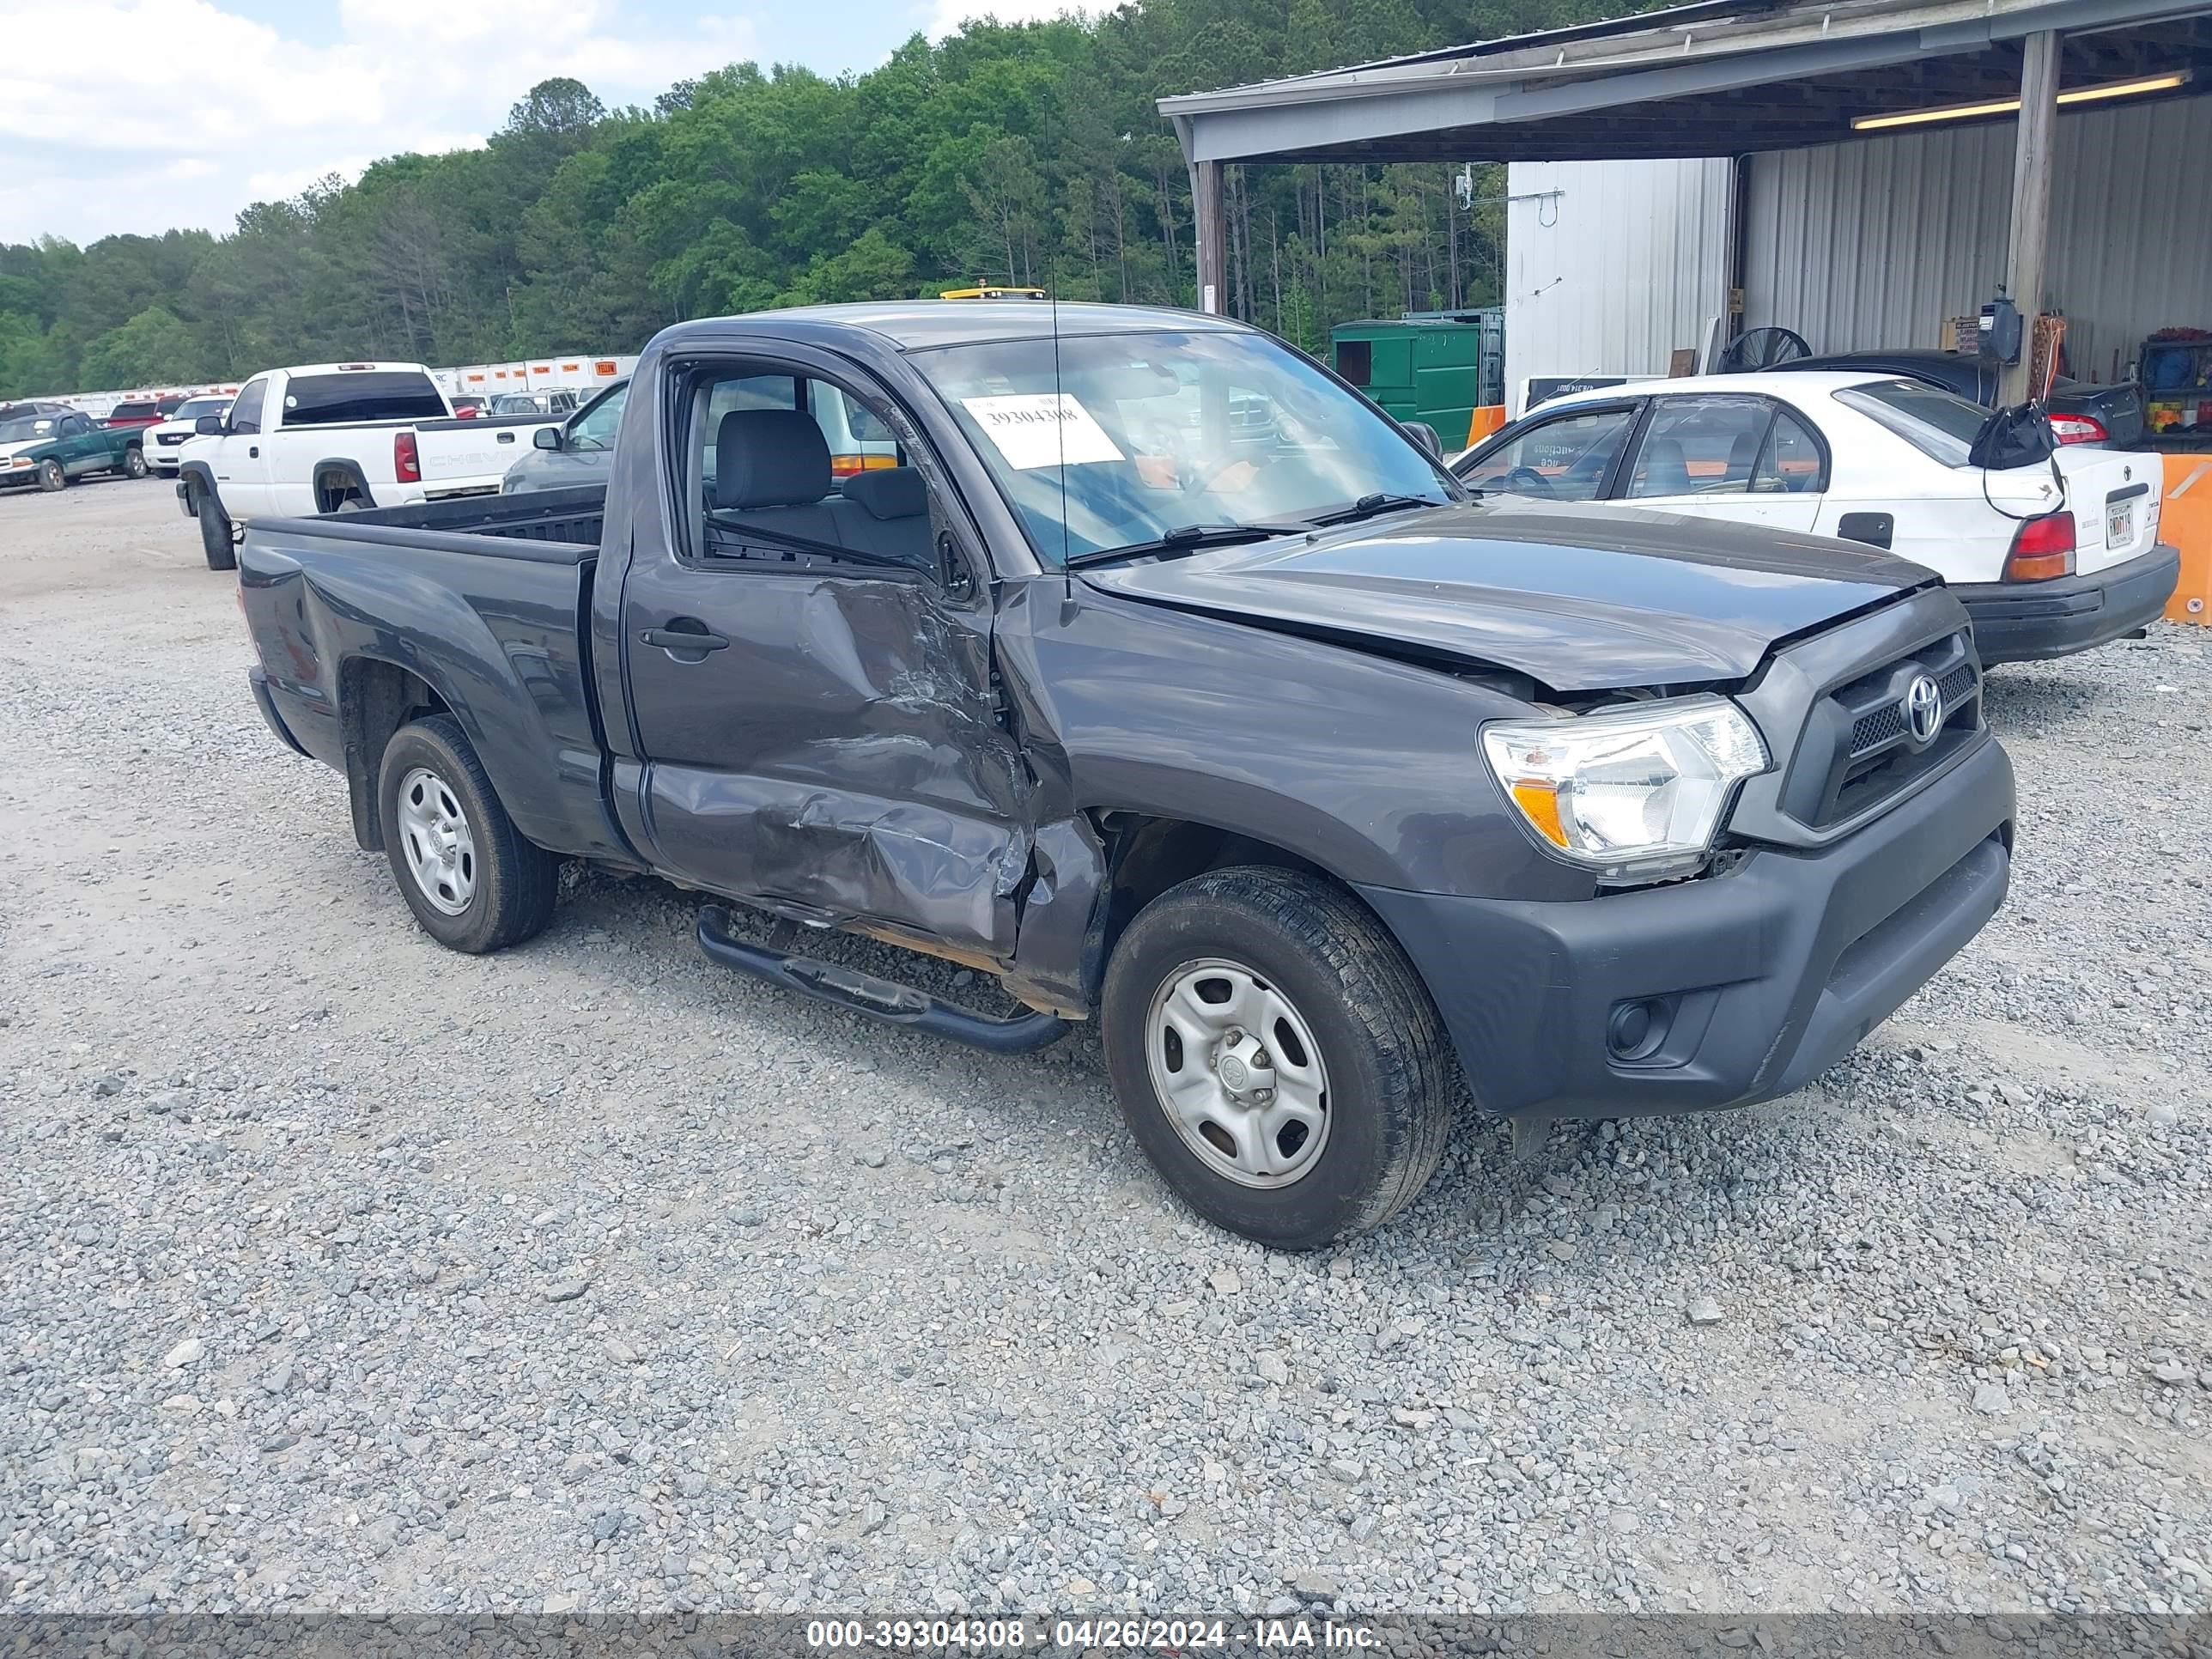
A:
<point x="1236" y="1068"/>
<point x="434" y="840"/>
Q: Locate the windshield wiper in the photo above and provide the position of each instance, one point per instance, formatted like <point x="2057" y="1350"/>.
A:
<point x="1368" y="505"/>
<point x="1186" y="537"/>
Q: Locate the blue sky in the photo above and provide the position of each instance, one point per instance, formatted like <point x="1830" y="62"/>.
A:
<point x="137" y="115"/>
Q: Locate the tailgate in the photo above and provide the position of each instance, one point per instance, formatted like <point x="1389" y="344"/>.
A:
<point x="2114" y="494"/>
<point x="456" y="454"/>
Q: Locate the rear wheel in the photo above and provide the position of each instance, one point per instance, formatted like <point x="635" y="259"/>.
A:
<point x="52" y="477"/>
<point x="1277" y="1056"/>
<point x="474" y="883"/>
<point x="134" y="462"/>
<point x="215" y="532"/>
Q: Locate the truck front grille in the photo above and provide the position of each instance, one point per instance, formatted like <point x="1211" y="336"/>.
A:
<point x="1859" y="748"/>
<point x="1885" y="725"/>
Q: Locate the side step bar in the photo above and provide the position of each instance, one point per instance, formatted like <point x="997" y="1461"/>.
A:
<point x="878" y="998"/>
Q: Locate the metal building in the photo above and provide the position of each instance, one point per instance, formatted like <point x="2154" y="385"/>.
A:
<point x="1904" y="154"/>
<point x="1867" y="244"/>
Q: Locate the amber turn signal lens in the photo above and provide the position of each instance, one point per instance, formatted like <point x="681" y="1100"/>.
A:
<point x="1540" y="802"/>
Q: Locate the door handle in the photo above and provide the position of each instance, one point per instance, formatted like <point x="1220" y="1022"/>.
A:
<point x="253" y="453"/>
<point x="676" y="639"/>
<point x="507" y="437"/>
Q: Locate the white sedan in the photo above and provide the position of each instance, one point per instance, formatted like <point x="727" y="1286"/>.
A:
<point x="2048" y="558"/>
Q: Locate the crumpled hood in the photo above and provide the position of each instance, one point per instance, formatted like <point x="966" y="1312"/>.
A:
<point x="1579" y="597"/>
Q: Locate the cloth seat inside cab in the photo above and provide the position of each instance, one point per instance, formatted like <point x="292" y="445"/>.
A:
<point x="772" y="473"/>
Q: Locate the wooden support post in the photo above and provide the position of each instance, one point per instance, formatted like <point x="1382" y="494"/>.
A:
<point x="1210" y="229"/>
<point x="2031" y="201"/>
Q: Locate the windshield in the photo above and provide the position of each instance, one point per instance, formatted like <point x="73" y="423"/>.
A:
<point x="1939" y="426"/>
<point x="1165" y="430"/>
<point x="26" y="429"/>
<point x="193" y="409"/>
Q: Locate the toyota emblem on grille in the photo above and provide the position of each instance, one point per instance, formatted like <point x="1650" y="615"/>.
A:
<point x="1924" y="709"/>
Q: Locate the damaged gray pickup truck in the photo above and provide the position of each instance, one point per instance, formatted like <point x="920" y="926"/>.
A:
<point x="1130" y="656"/>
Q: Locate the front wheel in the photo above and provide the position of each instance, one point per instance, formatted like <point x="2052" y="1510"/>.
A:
<point x="1276" y="1056"/>
<point x="134" y="462"/>
<point x="215" y="533"/>
<point x="471" y="879"/>
<point x="52" y="477"/>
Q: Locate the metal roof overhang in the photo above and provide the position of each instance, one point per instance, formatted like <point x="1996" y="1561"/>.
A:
<point x="1719" y="78"/>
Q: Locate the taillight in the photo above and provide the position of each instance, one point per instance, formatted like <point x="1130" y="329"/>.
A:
<point x="2041" y="548"/>
<point x="406" y="463"/>
<point x="2078" y="429"/>
<point x="847" y="466"/>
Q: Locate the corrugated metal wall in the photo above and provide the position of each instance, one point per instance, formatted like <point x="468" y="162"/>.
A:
<point x="1872" y="243"/>
<point x="1628" y="261"/>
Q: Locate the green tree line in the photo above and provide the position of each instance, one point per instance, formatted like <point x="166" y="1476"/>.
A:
<point x="1027" y="153"/>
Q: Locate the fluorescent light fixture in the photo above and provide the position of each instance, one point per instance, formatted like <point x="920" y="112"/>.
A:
<point x="2097" y="94"/>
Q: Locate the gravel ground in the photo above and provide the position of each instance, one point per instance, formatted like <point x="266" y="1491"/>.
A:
<point x="343" y="1272"/>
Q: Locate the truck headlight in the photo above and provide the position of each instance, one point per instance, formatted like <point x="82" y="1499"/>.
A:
<point x="1635" y="792"/>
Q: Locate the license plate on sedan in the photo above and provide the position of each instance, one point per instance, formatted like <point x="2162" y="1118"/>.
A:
<point x="2119" y="524"/>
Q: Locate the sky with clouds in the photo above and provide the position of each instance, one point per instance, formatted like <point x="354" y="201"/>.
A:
<point x="138" y="115"/>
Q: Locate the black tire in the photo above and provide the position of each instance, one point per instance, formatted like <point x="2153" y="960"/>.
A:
<point x="134" y="462"/>
<point x="52" y="476"/>
<point x="215" y="532"/>
<point x="514" y="880"/>
<point x="1389" y="1062"/>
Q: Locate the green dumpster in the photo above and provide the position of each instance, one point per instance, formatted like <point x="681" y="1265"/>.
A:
<point x="1434" y="366"/>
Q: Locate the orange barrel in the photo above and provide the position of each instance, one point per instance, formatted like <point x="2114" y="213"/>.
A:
<point x="2185" y="522"/>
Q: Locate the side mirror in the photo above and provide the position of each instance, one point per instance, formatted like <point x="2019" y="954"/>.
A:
<point x="209" y="424"/>
<point x="1425" y="435"/>
<point x="546" y="437"/>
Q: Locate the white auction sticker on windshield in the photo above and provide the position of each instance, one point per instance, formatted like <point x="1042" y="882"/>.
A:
<point x="1042" y="428"/>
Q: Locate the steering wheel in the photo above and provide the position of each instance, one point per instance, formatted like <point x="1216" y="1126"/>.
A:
<point x="1526" y="480"/>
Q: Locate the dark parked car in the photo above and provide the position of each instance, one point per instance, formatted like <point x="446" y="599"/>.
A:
<point x="578" y="451"/>
<point x="2081" y="412"/>
<point x="55" y="451"/>
<point x="1291" y="766"/>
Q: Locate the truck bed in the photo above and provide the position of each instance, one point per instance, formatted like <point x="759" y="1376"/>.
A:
<point x="485" y="601"/>
<point x="551" y="526"/>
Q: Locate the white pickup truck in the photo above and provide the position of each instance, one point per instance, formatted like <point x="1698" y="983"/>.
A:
<point x="338" y="438"/>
